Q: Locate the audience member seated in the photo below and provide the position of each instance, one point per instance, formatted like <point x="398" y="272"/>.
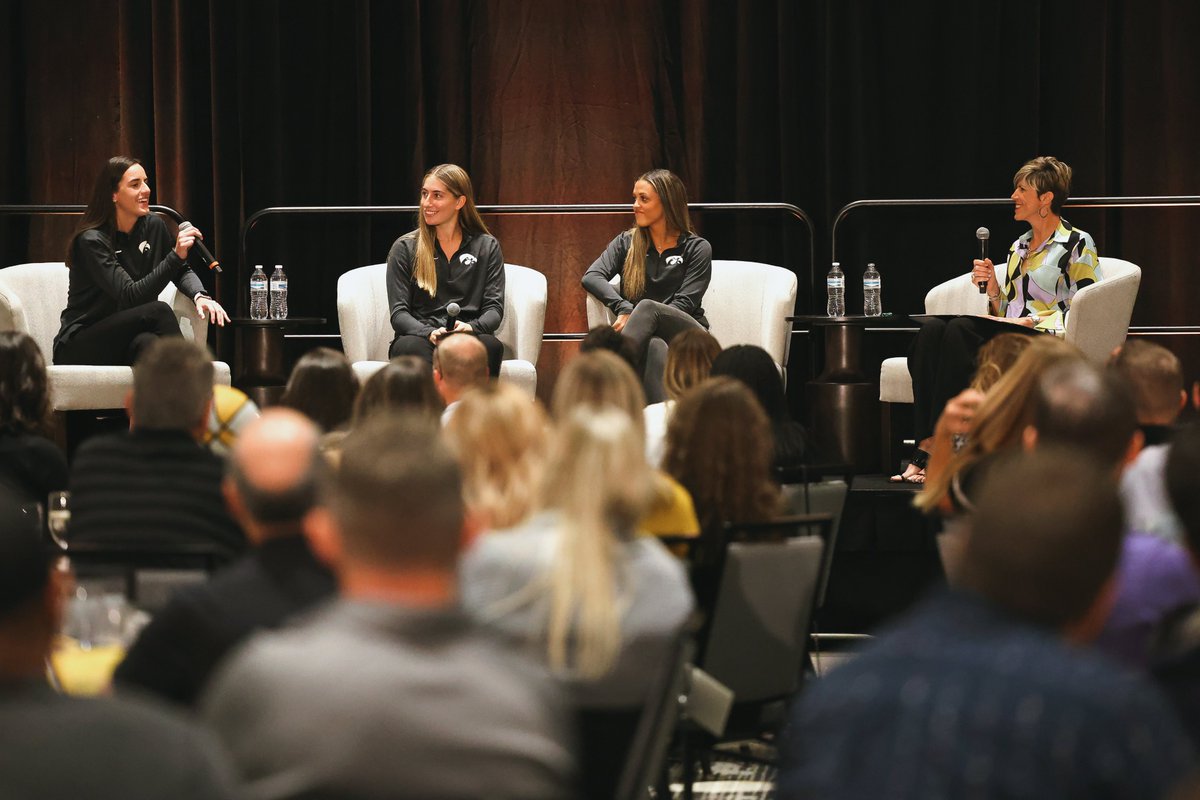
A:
<point x="1077" y="405"/>
<point x="1155" y="377"/>
<point x="975" y="427"/>
<point x="601" y="604"/>
<point x="391" y="690"/>
<point x="231" y="411"/>
<point x="404" y="383"/>
<point x="982" y="690"/>
<point x="156" y="484"/>
<point x="57" y="746"/>
<point x="605" y="337"/>
<point x="996" y="358"/>
<point x="31" y="466"/>
<point x="754" y="367"/>
<point x="600" y="380"/>
<point x="719" y="448"/>
<point x="500" y="437"/>
<point x="689" y="360"/>
<point x="271" y="487"/>
<point x="1175" y="655"/>
<point x="323" y="387"/>
<point x="459" y="365"/>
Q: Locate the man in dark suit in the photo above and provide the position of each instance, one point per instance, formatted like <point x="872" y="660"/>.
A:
<point x="271" y="486"/>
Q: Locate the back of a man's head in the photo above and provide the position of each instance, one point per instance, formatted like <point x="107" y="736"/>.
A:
<point x="1045" y="535"/>
<point x="172" y="386"/>
<point x="1077" y="405"/>
<point x="460" y="361"/>
<point x="1155" y="379"/>
<point x="274" y="470"/>
<point x="1183" y="483"/>
<point x="605" y="337"/>
<point x="397" y="495"/>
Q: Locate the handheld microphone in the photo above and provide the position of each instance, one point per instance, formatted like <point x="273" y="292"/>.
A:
<point x="205" y="256"/>
<point x="452" y="311"/>
<point x="982" y="234"/>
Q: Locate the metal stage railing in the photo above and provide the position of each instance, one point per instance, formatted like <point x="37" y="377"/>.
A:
<point x="51" y="210"/>
<point x="560" y="208"/>
<point x="1165" y="201"/>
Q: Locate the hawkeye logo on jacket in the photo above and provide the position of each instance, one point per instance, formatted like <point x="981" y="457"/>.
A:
<point x="144" y="247"/>
<point x="674" y="261"/>
<point x="467" y="259"/>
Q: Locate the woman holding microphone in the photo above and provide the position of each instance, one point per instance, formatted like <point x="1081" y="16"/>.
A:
<point x="1031" y="293"/>
<point x="120" y="258"/>
<point x="451" y="258"/>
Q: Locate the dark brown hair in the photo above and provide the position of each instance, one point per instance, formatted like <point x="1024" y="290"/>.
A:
<point x="719" y="447"/>
<point x="24" y="390"/>
<point x="405" y="382"/>
<point x="323" y="387"/>
<point x="100" y="213"/>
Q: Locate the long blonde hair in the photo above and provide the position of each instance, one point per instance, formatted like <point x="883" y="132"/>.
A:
<point x="1002" y="416"/>
<point x="599" y="379"/>
<point x="599" y="482"/>
<point x="458" y="182"/>
<point x="501" y="438"/>
<point x="673" y="195"/>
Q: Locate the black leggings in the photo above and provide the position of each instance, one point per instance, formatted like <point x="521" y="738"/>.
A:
<point x="941" y="362"/>
<point x="120" y="338"/>
<point x="411" y="345"/>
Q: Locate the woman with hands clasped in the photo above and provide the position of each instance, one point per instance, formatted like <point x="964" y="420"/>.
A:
<point x="1031" y="294"/>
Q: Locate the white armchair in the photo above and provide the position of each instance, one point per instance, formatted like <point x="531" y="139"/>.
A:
<point x="32" y="298"/>
<point x="1097" y="323"/>
<point x="746" y="303"/>
<point x="366" y="328"/>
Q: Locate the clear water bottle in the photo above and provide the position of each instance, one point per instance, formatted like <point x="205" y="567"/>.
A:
<point x="278" y="293"/>
<point x="872" y="302"/>
<point x="835" y="289"/>
<point x="258" y="293"/>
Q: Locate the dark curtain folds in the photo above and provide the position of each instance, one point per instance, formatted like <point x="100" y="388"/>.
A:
<point x="237" y="106"/>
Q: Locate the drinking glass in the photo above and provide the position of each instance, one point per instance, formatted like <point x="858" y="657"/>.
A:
<point x="58" y="517"/>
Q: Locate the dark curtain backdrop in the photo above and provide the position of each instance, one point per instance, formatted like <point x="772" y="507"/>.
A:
<point x="235" y="106"/>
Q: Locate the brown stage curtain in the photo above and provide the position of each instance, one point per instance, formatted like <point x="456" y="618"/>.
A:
<point x="236" y="106"/>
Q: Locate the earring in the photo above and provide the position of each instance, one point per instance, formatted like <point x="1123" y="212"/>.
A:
<point x="1044" y="212"/>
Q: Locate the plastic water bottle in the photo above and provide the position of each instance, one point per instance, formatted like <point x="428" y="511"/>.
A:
<point x="258" y="293"/>
<point x="872" y="302"/>
<point x="835" y="289"/>
<point x="278" y="293"/>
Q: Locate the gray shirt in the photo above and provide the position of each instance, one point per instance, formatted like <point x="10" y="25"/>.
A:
<point x="505" y="584"/>
<point x="55" y="747"/>
<point x="371" y="700"/>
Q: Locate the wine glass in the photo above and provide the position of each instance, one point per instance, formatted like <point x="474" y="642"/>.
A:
<point x="58" y="517"/>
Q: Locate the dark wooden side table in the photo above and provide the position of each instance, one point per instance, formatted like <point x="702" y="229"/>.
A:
<point x="843" y="404"/>
<point x="259" y="368"/>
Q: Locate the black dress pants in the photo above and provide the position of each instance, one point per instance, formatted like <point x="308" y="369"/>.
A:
<point x="120" y="338"/>
<point x="941" y="362"/>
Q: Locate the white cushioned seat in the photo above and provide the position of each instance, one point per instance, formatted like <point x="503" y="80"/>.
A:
<point x="746" y="303"/>
<point x="366" y="327"/>
<point x="32" y="298"/>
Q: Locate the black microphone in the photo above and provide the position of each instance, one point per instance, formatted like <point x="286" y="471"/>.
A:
<point x="452" y="311"/>
<point x="982" y="235"/>
<point x="205" y="256"/>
